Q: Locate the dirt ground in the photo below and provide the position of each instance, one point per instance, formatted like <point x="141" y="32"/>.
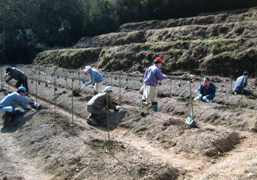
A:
<point x="55" y="142"/>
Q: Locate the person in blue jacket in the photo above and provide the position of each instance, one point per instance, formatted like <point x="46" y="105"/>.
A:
<point x="152" y="75"/>
<point x="96" y="78"/>
<point x="9" y="104"/>
<point x="206" y="91"/>
<point x="241" y="83"/>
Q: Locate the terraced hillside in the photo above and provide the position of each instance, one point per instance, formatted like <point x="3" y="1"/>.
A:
<point x="55" y="142"/>
<point x="223" y="43"/>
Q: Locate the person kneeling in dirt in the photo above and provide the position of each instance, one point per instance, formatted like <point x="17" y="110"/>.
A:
<point x="241" y="84"/>
<point x="9" y="104"/>
<point x="96" y="106"/>
<point x="206" y="91"/>
<point x="96" y="78"/>
<point x="152" y="76"/>
<point x="13" y="73"/>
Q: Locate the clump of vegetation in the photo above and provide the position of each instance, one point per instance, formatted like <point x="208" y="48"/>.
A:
<point x="29" y="27"/>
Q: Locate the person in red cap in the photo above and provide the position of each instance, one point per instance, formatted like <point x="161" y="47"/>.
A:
<point x="152" y="75"/>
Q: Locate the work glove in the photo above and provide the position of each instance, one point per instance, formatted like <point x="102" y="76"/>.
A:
<point x="117" y="108"/>
<point x="36" y="104"/>
<point x="3" y="83"/>
<point x="30" y="109"/>
<point x="86" y="84"/>
<point x="204" y="98"/>
<point x="198" y="97"/>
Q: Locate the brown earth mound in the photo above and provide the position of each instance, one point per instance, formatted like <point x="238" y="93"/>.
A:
<point x="155" y="146"/>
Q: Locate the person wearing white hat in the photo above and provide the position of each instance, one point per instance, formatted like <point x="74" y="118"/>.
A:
<point x="96" y="106"/>
<point x="96" y="78"/>
<point x="9" y="104"/>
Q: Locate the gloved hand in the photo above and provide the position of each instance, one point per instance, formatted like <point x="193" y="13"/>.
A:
<point x="3" y="83"/>
<point x="204" y="98"/>
<point x="117" y="108"/>
<point x="86" y="84"/>
<point x="36" y="104"/>
<point x="198" y="97"/>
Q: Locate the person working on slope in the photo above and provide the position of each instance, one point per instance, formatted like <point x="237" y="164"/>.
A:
<point x="96" y="106"/>
<point x="96" y="78"/>
<point x="13" y="73"/>
<point x="9" y="104"/>
<point x="241" y="84"/>
<point x="206" y="91"/>
<point x="152" y="76"/>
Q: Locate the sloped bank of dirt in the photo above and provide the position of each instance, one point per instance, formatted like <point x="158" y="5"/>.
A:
<point x="158" y="146"/>
<point x="49" y="145"/>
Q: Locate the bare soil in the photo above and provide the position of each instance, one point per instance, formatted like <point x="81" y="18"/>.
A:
<point x="55" y="142"/>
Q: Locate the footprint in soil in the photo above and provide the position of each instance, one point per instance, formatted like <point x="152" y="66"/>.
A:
<point x="87" y="98"/>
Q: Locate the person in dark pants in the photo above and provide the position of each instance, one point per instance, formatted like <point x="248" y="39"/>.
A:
<point x="96" y="78"/>
<point x="96" y="106"/>
<point x="241" y="84"/>
<point x="8" y="106"/>
<point x="13" y="73"/>
<point x="206" y="91"/>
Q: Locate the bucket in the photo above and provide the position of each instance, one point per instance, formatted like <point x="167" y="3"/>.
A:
<point x="190" y="121"/>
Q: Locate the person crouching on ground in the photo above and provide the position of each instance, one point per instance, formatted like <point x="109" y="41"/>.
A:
<point x="9" y="104"/>
<point x="96" y="78"/>
<point x="152" y="76"/>
<point x="206" y="91"/>
<point x="96" y="106"/>
<point x="241" y="84"/>
<point x="13" y="73"/>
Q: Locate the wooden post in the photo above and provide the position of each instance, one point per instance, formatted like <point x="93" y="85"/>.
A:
<point x="108" y="123"/>
<point x="191" y="100"/>
<point x="72" y="106"/>
<point x="79" y="79"/>
<point x="45" y="76"/>
<point x="36" y="88"/>
<point x="54" y="99"/>
<point x="242" y="96"/>
<point x="111" y="78"/>
<point x="120" y="90"/>
<point x="1" y="79"/>
<point x="66" y="81"/>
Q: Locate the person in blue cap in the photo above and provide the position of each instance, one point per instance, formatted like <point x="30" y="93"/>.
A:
<point x="8" y="106"/>
<point x="206" y="91"/>
<point x="241" y="84"/>
<point x="96" y="78"/>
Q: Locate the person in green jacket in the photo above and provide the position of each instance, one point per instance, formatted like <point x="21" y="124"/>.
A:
<point x="96" y="106"/>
